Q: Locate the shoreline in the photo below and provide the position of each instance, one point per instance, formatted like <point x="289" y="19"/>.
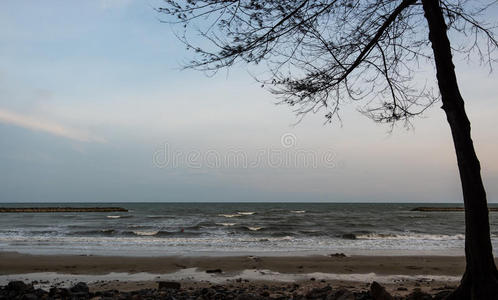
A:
<point x="399" y="275"/>
<point x="17" y="263"/>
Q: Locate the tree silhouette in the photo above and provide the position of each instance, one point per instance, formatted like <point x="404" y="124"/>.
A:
<point x="322" y="54"/>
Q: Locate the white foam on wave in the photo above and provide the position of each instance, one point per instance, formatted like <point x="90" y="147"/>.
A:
<point x="298" y="211"/>
<point x="113" y="217"/>
<point x="246" y="213"/>
<point x="409" y="236"/>
<point x="226" y="224"/>
<point x="254" y="228"/>
<point x="146" y="233"/>
<point x="230" y="215"/>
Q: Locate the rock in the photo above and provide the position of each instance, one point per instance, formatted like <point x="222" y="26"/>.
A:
<point x="402" y="288"/>
<point x="442" y="295"/>
<point x="64" y="293"/>
<point x="80" y="288"/>
<point x="29" y="297"/>
<point x="214" y="271"/>
<point x="417" y="294"/>
<point x="265" y="294"/>
<point x="17" y="286"/>
<point x="319" y="293"/>
<point x="362" y="296"/>
<point x="136" y="297"/>
<point x="40" y="293"/>
<point x="164" y="285"/>
<point x="79" y="295"/>
<point x="342" y="294"/>
<point x="246" y="296"/>
<point x="378" y="292"/>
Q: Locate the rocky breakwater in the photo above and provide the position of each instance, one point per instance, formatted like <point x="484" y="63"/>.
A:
<point x="60" y="209"/>
<point x="442" y="209"/>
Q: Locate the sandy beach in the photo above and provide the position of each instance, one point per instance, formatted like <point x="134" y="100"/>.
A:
<point x="400" y="275"/>
<point x="15" y="263"/>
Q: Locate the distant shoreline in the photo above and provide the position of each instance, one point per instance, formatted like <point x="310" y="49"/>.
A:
<point x="60" y="209"/>
<point x="426" y="208"/>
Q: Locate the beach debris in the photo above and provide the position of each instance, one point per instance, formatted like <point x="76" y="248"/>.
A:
<point x="337" y="255"/>
<point x="349" y="236"/>
<point x="378" y="292"/>
<point x="180" y="266"/>
<point x="165" y="285"/>
<point x="214" y="271"/>
<point x="254" y="258"/>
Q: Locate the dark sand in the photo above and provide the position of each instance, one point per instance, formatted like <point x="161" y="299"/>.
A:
<point x="15" y="263"/>
<point x="419" y="270"/>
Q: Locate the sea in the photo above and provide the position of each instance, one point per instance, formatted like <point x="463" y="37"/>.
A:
<point x="211" y="229"/>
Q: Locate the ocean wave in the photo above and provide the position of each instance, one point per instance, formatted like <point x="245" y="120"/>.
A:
<point x="139" y="226"/>
<point x="403" y="236"/>
<point x="254" y="228"/>
<point x="246" y="213"/>
<point x="298" y="211"/>
<point x="93" y="232"/>
<point x="162" y="233"/>
<point x="230" y="215"/>
<point x="119" y="217"/>
<point x="145" y="232"/>
<point x="226" y="224"/>
<point x="157" y="216"/>
<point x="310" y="232"/>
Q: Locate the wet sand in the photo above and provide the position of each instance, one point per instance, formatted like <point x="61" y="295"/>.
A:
<point x="399" y="274"/>
<point x="16" y="263"/>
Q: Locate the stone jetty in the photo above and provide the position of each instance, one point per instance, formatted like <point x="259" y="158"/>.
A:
<point x="60" y="209"/>
<point x="424" y="208"/>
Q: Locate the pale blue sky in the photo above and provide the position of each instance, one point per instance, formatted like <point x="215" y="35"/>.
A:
<point x="91" y="90"/>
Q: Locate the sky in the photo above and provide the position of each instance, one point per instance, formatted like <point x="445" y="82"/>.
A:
<point x="95" y="107"/>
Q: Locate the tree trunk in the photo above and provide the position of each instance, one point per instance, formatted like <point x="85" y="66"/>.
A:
<point x="480" y="280"/>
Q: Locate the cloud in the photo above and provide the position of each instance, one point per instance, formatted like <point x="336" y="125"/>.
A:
<point x="47" y="126"/>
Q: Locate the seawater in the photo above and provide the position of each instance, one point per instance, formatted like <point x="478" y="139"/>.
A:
<point x="238" y="228"/>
